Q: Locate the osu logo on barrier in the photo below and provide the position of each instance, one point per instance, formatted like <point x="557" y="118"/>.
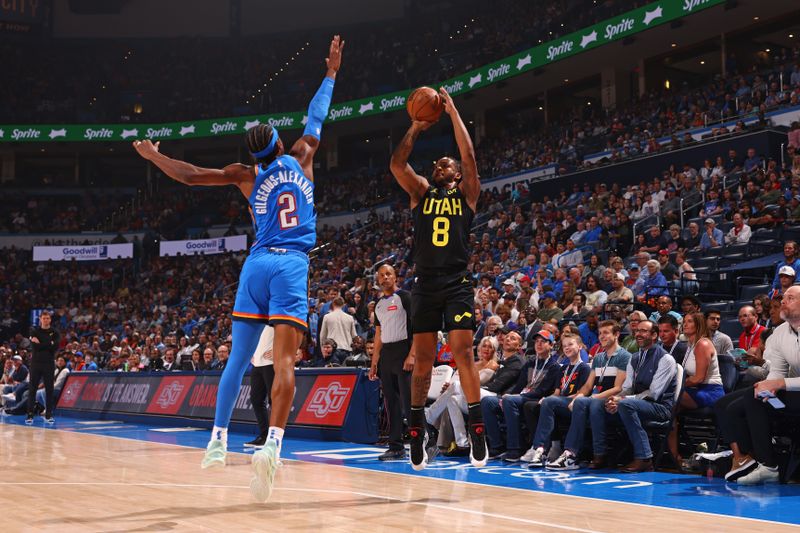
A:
<point x="72" y="391"/>
<point x="169" y="397"/>
<point x="328" y="400"/>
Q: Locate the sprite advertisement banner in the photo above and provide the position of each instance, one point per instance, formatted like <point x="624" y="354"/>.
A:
<point x="610" y="30"/>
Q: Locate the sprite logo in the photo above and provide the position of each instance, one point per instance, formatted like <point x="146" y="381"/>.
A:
<point x="29" y="133"/>
<point x="615" y="29"/>
<point x="158" y="132"/>
<point x="689" y="5"/>
<point x="555" y="51"/>
<point x="101" y="133"/>
<point x="502" y="70"/>
<point x="345" y="111"/>
<point x="281" y="122"/>
<point x="454" y="87"/>
<point x="223" y="127"/>
<point x="390" y="103"/>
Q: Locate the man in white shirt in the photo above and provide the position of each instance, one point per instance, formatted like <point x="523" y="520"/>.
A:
<point x="339" y="326"/>
<point x="740" y="233"/>
<point x="744" y="415"/>
<point x="571" y="257"/>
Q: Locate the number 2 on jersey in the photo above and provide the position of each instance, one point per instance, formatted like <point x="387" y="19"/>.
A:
<point x="287" y="216"/>
<point x="441" y="231"/>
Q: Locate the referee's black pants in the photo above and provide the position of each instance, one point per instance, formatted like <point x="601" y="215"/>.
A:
<point x="396" y="384"/>
<point x="745" y="420"/>
<point x="261" y="378"/>
<point x="44" y="371"/>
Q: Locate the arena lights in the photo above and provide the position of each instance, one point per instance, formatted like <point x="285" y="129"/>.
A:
<point x="125" y="57"/>
<point x="274" y="75"/>
<point x="458" y="32"/>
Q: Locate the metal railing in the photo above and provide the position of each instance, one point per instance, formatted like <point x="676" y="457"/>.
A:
<point x="684" y="210"/>
<point x="647" y="219"/>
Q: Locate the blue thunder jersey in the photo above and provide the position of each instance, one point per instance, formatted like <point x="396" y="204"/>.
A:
<point x="283" y="207"/>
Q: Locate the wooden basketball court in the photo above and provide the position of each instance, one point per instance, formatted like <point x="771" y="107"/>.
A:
<point x="68" y="481"/>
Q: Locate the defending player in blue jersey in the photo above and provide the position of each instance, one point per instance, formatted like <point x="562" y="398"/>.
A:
<point x="273" y="283"/>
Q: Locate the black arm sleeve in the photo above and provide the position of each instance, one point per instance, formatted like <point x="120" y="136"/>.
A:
<point x="405" y="298"/>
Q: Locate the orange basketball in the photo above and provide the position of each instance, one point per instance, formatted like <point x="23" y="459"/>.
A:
<point x="425" y="104"/>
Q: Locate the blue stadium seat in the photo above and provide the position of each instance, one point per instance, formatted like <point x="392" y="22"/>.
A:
<point x="731" y="327"/>
<point x="722" y="307"/>
<point x="749" y="292"/>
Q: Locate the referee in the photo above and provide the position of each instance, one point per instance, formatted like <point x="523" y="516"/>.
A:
<point x="44" y="342"/>
<point x="393" y="359"/>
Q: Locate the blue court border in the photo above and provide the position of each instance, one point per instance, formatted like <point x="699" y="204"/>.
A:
<point x="772" y="503"/>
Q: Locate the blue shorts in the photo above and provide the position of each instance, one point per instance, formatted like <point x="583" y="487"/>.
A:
<point x="273" y="288"/>
<point x="705" y="395"/>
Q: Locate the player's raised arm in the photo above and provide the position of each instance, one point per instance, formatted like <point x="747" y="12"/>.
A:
<point x="188" y="174"/>
<point x="470" y="183"/>
<point x="306" y="146"/>
<point x="415" y="185"/>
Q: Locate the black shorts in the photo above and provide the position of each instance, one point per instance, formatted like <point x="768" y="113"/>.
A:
<point x="442" y="303"/>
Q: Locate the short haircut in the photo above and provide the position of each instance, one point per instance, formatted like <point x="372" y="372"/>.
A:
<point x="338" y="301"/>
<point x="669" y="319"/>
<point x="613" y="324"/>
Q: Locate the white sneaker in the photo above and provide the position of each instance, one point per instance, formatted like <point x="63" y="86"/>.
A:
<point x="527" y="457"/>
<point x="761" y="475"/>
<point x="537" y="459"/>
<point x="741" y="469"/>
<point x="565" y="461"/>
<point x="265" y="463"/>
<point x="215" y="454"/>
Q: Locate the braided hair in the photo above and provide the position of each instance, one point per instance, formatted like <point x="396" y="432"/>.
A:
<point x="258" y="137"/>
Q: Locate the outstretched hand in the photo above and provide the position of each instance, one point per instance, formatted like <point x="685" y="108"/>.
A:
<point x="146" y="148"/>
<point x="447" y="100"/>
<point x="334" y="59"/>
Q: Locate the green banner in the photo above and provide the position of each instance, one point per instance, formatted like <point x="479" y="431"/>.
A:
<point x="610" y="30"/>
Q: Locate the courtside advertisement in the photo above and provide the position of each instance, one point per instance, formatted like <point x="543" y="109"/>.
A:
<point x="95" y="252"/>
<point x="221" y="245"/>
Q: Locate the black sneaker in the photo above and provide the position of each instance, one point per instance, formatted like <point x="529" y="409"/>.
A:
<point x="418" y="445"/>
<point x="258" y="442"/>
<point x="29" y="419"/>
<point x="493" y="453"/>
<point x="477" y="444"/>
<point x="392" y="455"/>
<point x="511" y="456"/>
<point x="50" y="419"/>
<point x="740" y="470"/>
<point x="456" y="451"/>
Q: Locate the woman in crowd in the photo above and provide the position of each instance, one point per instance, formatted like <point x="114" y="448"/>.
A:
<point x="762" y="304"/>
<point x="702" y="379"/>
<point x="686" y="281"/>
<point x="437" y="414"/>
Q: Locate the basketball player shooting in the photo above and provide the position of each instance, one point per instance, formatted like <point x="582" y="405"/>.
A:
<point x="442" y="298"/>
<point x="273" y="283"/>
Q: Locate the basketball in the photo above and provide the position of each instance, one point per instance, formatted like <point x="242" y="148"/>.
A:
<point x="425" y="104"/>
